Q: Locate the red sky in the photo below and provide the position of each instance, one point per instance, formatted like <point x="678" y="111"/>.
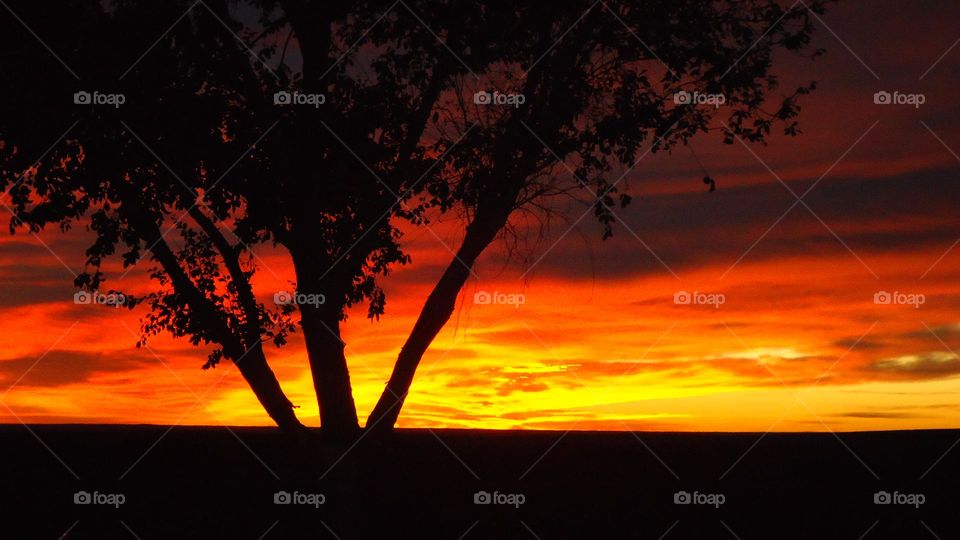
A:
<point x="599" y="343"/>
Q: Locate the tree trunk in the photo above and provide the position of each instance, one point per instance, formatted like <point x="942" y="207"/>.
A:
<point x="251" y="362"/>
<point x="320" y="323"/>
<point x="331" y="378"/>
<point x="436" y="311"/>
<point x="255" y="370"/>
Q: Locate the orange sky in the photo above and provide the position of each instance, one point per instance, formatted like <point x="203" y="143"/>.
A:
<point x="599" y="343"/>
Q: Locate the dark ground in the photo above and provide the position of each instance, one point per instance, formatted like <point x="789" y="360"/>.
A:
<point x="203" y="483"/>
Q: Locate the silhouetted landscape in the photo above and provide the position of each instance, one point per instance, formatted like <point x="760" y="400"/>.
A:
<point x="202" y="483"/>
<point x="455" y="269"/>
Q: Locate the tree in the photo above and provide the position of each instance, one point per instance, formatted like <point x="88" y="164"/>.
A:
<point x="385" y="126"/>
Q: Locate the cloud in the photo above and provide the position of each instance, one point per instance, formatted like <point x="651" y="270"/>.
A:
<point x="63" y="367"/>
<point x="693" y="230"/>
<point x="925" y="365"/>
<point x="857" y="343"/>
<point x="521" y="384"/>
<point x="876" y="415"/>
<point x="942" y="331"/>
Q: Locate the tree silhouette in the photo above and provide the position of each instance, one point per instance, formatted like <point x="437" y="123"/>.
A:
<point x="322" y="127"/>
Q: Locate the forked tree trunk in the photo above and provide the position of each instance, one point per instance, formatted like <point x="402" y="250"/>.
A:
<point x="436" y="311"/>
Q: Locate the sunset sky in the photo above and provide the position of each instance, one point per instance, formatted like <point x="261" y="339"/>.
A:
<point x="599" y="343"/>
